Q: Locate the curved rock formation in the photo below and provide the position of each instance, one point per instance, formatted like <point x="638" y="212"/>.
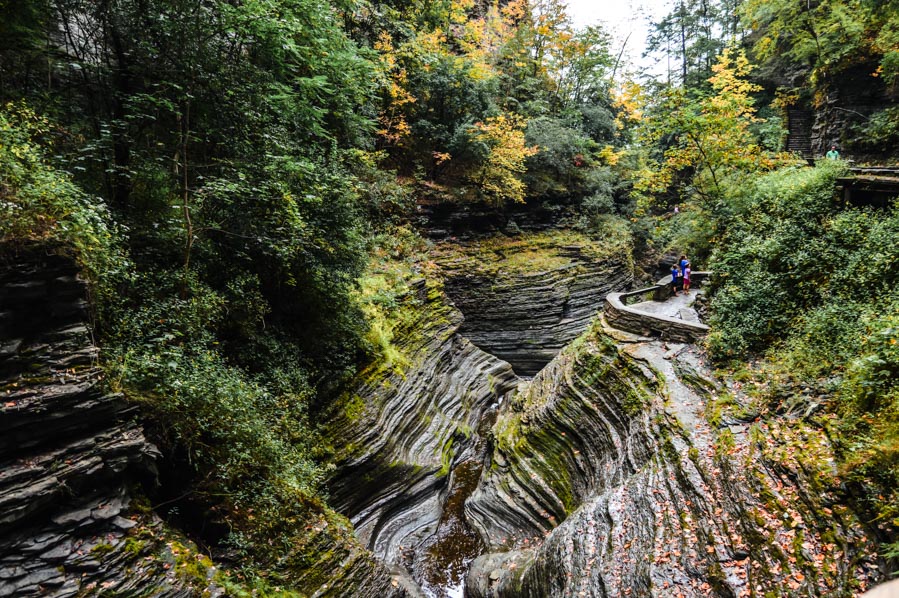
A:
<point x="526" y="297"/>
<point x="406" y="426"/>
<point x="606" y="480"/>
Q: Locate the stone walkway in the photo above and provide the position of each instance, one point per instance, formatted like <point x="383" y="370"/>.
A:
<point x="674" y="307"/>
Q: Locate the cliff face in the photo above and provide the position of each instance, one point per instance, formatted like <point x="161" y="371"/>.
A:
<point x="606" y="479"/>
<point x="406" y="428"/>
<point x="69" y="450"/>
<point x="526" y="297"/>
<point x="73" y="458"/>
<point x="845" y="103"/>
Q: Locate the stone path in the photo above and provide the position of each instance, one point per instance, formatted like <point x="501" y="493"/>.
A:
<point x="674" y="307"/>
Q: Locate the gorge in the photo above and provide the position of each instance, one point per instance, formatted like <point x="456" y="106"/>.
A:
<point x="601" y="476"/>
<point x="622" y="467"/>
<point x="381" y="299"/>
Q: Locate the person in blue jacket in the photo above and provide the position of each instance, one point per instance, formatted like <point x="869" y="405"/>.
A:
<point x="674" y="276"/>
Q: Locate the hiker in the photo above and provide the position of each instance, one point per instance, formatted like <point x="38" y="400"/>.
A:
<point x="833" y="154"/>
<point x="687" y="278"/>
<point x="682" y="263"/>
<point x="674" y="275"/>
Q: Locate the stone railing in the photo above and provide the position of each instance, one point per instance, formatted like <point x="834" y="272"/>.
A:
<point x="619" y="314"/>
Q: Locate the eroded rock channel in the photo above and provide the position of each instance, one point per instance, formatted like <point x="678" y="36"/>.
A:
<point x="418" y="432"/>
<point x="600" y="476"/>
<point x="525" y="298"/>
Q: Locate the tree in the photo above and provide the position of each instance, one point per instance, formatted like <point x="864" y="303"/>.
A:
<point x="498" y="178"/>
<point x="693" y="34"/>
<point x="709" y="136"/>
<point x="819" y="36"/>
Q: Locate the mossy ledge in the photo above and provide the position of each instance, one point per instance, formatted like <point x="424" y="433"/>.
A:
<point x="605" y="479"/>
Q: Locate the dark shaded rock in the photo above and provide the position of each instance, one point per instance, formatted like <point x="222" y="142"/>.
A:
<point x="69" y="450"/>
<point x="524" y="298"/>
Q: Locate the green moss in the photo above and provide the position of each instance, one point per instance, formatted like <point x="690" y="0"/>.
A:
<point x="446" y="458"/>
<point x="354" y="408"/>
<point x="500" y="256"/>
<point x="724" y="444"/>
<point x="102" y="549"/>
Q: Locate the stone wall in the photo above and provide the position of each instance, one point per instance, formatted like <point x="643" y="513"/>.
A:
<point x="623" y="317"/>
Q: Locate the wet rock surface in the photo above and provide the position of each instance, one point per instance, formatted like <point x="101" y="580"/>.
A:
<point x="607" y="480"/>
<point x="601" y="476"/>
<point x="405" y="430"/>
<point x="68" y="448"/>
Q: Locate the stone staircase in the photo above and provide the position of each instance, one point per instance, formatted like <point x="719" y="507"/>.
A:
<point x="799" y="136"/>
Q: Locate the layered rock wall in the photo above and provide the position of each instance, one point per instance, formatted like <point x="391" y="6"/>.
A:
<point x="525" y="298"/>
<point x="606" y="480"/>
<point x="405" y="426"/>
<point x="69" y="449"/>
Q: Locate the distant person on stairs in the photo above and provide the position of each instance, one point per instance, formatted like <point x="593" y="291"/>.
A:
<point x="833" y="154"/>
<point x="674" y="274"/>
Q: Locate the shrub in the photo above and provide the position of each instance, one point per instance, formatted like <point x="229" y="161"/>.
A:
<point x="775" y="259"/>
<point x="39" y="202"/>
<point x="814" y="284"/>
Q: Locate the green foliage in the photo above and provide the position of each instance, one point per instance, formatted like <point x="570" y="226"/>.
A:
<point x="464" y="80"/>
<point x="705" y="138"/>
<point x="818" y="35"/>
<point x="813" y="283"/>
<point x="869" y="432"/>
<point x="229" y="140"/>
<point x="769" y="261"/>
<point x="880" y="133"/>
<point x="39" y="202"/>
<point x="245" y="437"/>
<point x="822" y="40"/>
<point x="563" y="159"/>
<point x="398" y="259"/>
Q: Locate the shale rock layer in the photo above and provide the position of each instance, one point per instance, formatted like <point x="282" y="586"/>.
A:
<point x="407" y="424"/>
<point x="68" y="448"/>
<point x="606" y="480"/>
<point x="526" y="297"/>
